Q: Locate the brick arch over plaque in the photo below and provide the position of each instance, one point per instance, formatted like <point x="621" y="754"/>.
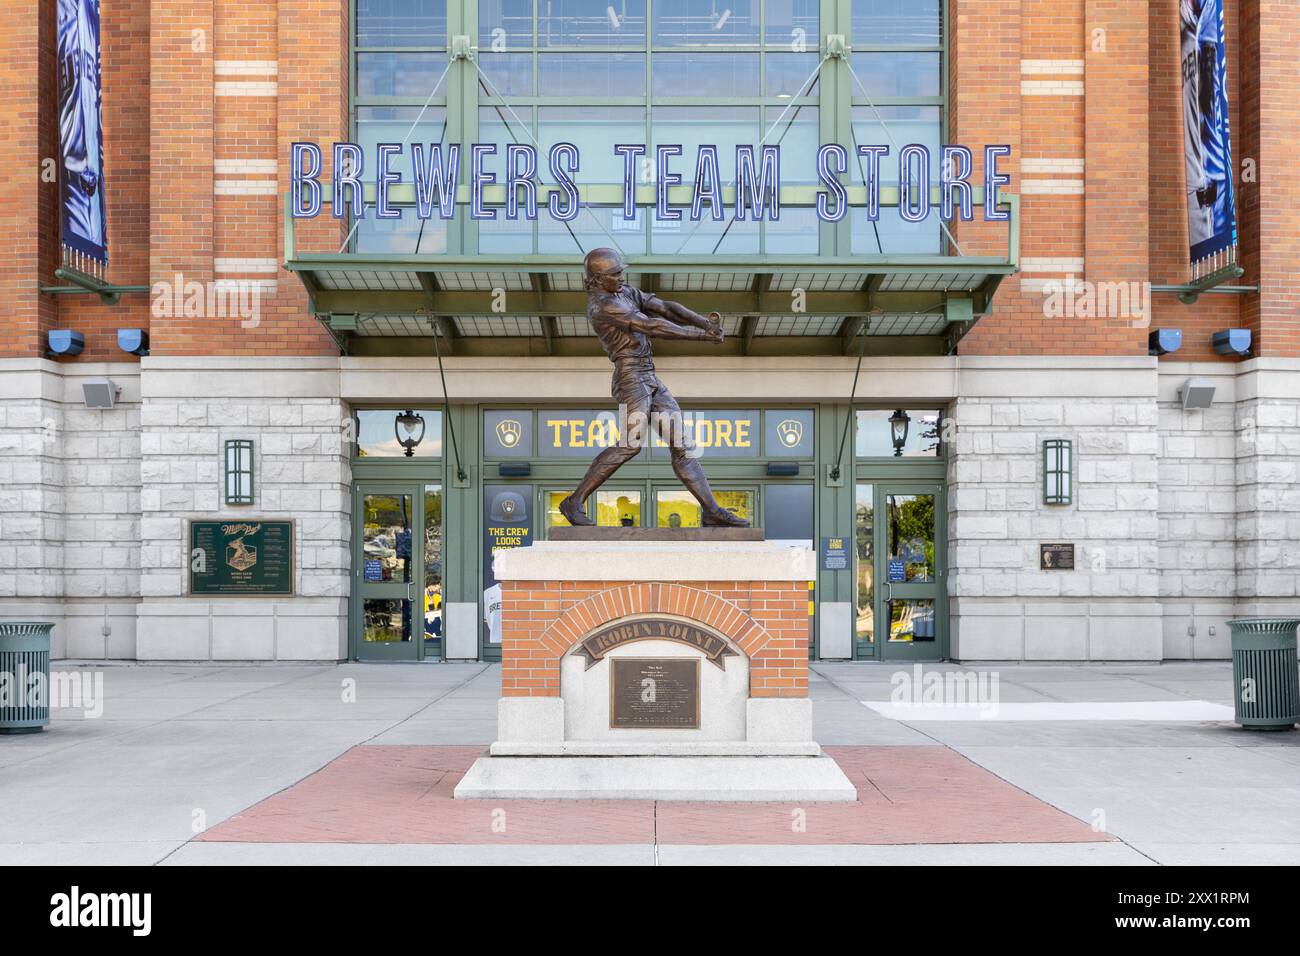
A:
<point x="678" y="600"/>
<point x="755" y="617"/>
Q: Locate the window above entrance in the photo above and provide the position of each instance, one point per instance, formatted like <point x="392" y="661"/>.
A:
<point x="392" y="433"/>
<point x="898" y="433"/>
<point x="477" y="276"/>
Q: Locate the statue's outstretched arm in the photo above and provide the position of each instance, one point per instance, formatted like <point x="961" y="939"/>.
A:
<point x="678" y="313"/>
<point x="662" y="328"/>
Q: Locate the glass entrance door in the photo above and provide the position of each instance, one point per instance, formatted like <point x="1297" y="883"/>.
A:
<point x="396" y="612"/>
<point x="899" y="551"/>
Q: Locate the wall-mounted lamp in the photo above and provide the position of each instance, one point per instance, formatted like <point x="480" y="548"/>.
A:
<point x="898" y="423"/>
<point x="1232" y="342"/>
<point x="1058" y="471"/>
<point x="409" y="428"/>
<point x="64" y="342"/>
<point x="133" y="341"/>
<point x="1164" y="341"/>
<point x="239" y="471"/>
<point x="515" y="469"/>
<point x="783" y="469"/>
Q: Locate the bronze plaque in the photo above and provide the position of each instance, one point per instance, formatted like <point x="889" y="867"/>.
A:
<point x="654" y="693"/>
<point x="245" y="557"/>
<point x="1056" y="557"/>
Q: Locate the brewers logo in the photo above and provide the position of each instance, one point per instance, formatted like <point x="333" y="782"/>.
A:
<point x="790" y="432"/>
<point x="509" y="432"/>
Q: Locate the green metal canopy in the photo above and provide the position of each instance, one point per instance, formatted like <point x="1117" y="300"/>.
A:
<point x="534" y="304"/>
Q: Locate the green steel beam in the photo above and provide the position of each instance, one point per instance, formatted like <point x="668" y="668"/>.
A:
<point x="850" y="329"/>
<point x="959" y="310"/>
<point x="83" y="284"/>
<point x="526" y="302"/>
<point x="536" y="346"/>
<point x="747" y="327"/>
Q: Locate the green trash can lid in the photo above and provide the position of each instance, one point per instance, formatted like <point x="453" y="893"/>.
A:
<point x="1265" y="624"/>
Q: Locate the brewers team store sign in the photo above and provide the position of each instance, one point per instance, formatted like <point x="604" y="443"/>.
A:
<point x="576" y="433"/>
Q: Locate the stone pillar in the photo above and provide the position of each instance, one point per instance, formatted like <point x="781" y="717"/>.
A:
<point x="1268" y="487"/>
<point x="1003" y="605"/>
<point x="291" y="410"/>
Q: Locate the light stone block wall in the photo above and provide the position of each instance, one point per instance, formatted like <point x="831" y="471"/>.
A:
<point x="1268" y="488"/>
<point x="1181" y="520"/>
<point x="1198" y="512"/>
<point x="70" y="505"/>
<point x="291" y="410"/>
<point x="1002" y="606"/>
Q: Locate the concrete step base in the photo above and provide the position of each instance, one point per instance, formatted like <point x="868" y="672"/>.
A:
<point x="721" y="779"/>
<point x="654" y="748"/>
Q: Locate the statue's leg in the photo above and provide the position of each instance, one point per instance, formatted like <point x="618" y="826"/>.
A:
<point x="612" y="458"/>
<point x="602" y="466"/>
<point x="668" y="422"/>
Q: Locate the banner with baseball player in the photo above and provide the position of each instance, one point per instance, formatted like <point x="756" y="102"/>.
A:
<point x="82" y="216"/>
<point x="1211" y="219"/>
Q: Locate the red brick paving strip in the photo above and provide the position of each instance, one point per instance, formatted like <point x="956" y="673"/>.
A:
<point x="401" y="794"/>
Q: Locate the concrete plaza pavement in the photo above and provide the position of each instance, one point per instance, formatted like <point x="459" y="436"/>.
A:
<point x="181" y="748"/>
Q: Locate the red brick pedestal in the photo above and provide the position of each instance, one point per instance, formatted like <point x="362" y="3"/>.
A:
<point x="586" y="623"/>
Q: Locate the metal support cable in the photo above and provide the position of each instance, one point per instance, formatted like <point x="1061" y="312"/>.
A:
<point x="863" y="325"/>
<point x="777" y="122"/>
<point x="405" y="139"/>
<point x="446" y="412"/>
<point x="497" y="109"/>
<point x="875" y="225"/>
<point x="893" y="142"/>
<point x="538" y="146"/>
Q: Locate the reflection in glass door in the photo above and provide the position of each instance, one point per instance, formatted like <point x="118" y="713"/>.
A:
<point x="434" y="620"/>
<point x="910" y="599"/>
<point x="864" y="542"/>
<point x="899" y="578"/>
<point x="397" y="605"/>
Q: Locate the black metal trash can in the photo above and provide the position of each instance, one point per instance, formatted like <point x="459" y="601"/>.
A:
<point x="1267" y="683"/>
<point x="24" y="651"/>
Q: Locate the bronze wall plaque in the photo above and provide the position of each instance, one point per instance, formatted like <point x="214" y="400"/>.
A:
<point x="1056" y="557"/>
<point x="247" y="557"/>
<point x="654" y="693"/>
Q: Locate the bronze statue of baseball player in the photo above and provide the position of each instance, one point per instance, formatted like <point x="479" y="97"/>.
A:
<point x="625" y="319"/>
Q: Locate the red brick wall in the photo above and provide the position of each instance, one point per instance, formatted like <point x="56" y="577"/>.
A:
<point x="164" y="126"/>
<point x="1271" y="57"/>
<point x="307" y="42"/>
<point x="27" y="127"/>
<point x="1116" y="221"/>
<point x="1131" y="223"/>
<point x="541" y="621"/>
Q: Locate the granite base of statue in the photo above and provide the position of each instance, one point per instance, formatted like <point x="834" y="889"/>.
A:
<point x="646" y="665"/>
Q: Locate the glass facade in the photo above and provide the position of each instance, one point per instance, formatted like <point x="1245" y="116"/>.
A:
<point x="671" y="72"/>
